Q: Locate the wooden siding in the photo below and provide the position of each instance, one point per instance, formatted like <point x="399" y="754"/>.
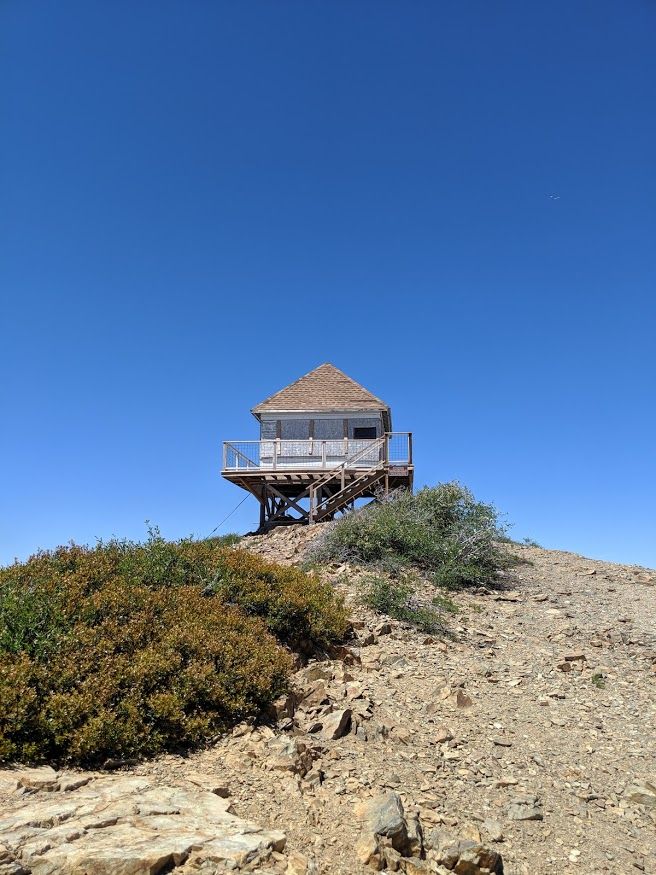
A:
<point x="317" y="425"/>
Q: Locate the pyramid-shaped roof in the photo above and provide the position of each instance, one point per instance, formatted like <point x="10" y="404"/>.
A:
<point x="325" y="388"/>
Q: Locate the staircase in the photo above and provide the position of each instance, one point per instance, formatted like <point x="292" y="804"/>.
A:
<point x="322" y="506"/>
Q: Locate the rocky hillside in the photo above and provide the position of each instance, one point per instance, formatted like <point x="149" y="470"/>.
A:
<point x="522" y="741"/>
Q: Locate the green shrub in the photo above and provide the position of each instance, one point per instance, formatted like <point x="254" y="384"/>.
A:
<point x="396" y="599"/>
<point x="298" y="608"/>
<point x="530" y="542"/>
<point x="126" y="650"/>
<point x="442" y="529"/>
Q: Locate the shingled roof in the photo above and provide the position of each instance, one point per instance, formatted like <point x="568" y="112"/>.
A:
<point x="325" y="388"/>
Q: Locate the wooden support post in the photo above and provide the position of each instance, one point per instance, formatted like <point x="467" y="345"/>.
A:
<point x="263" y="507"/>
<point x="286" y="502"/>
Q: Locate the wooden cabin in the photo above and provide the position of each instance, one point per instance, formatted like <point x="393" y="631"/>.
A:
<point x="325" y="441"/>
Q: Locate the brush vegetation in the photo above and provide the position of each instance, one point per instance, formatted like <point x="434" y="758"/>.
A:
<point x="126" y="650"/>
<point x="443" y="531"/>
<point x="398" y="598"/>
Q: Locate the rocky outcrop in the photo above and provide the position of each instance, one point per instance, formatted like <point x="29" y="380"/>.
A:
<point x="121" y="825"/>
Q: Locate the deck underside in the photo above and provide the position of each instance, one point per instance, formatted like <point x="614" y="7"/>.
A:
<point x="285" y="496"/>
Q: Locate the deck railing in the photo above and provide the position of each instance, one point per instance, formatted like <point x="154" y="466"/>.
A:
<point x="301" y="455"/>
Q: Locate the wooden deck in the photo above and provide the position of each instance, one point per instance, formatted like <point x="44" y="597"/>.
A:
<point x="298" y="492"/>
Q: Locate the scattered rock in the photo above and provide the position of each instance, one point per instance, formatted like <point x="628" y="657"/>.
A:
<point x="463" y="856"/>
<point x="297" y="864"/>
<point x="643" y="793"/>
<point x="442" y="735"/>
<point x="336" y="724"/>
<point x="209" y="783"/>
<point x="493" y="830"/>
<point x="525" y="807"/>
<point x="384" y="818"/>
<point x="460" y="699"/>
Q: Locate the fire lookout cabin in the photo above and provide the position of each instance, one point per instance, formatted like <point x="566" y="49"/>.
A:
<point x="325" y="441"/>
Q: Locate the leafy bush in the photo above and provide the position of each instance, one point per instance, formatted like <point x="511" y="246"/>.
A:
<point x="442" y="529"/>
<point x="129" y="649"/>
<point x="530" y="542"/>
<point x="396" y="598"/>
<point x="297" y="608"/>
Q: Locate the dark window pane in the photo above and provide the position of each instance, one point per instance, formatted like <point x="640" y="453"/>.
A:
<point x="363" y="434"/>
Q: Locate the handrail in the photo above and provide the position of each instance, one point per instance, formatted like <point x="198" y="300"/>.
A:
<point x="237" y="452"/>
<point x="315" y="506"/>
<point x="329" y="456"/>
<point x="374" y="445"/>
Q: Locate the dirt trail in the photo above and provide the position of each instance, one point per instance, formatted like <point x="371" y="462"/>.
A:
<point x="543" y="705"/>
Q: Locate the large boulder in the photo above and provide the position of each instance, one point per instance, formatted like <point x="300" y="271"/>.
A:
<point x="384" y="817"/>
<point x="387" y="835"/>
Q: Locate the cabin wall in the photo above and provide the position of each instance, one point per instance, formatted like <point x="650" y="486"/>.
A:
<point x="321" y="426"/>
<point x="365" y="422"/>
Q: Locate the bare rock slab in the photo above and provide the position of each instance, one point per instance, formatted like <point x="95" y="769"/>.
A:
<point x="126" y="825"/>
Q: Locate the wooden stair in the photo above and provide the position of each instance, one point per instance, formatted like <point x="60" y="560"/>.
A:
<point x="354" y="489"/>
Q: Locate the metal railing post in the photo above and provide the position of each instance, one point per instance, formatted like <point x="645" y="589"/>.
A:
<point x="323" y="454"/>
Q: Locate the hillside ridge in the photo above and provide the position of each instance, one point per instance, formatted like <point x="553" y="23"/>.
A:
<point x="523" y="735"/>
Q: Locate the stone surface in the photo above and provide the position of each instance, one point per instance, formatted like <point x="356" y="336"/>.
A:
<point x="336" y="724"/>
<point x="643" y="793"/>
<point x="127" y="825"/>
<point x="384" y="817"/>
<point x="525" y="807"/>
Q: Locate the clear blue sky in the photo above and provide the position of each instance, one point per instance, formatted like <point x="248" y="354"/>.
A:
<point x="201" y="201"/>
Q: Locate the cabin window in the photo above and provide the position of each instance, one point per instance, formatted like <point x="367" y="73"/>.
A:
<point x="364" y="434"/>
<point x="295" y="429"/>
<point x="268" y="429"/>
<point x="328" y="429"/>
